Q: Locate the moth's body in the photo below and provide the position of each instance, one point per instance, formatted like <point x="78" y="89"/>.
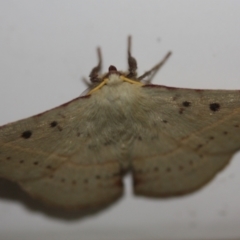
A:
<point x="172" y="140"/>
<point x="117" y="117"/>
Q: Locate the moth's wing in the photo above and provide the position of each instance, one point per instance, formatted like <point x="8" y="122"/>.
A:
<point x="56" y="157"/>
<point x="189" y="136"/>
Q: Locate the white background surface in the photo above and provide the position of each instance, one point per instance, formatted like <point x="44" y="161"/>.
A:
<point x="46" y="47"/>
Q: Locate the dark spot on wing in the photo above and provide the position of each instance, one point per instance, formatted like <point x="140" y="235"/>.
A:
<point x="140" y="138"/>
<point x="181" y="111"/>
<point x="168" y="169"/>
<point x="97" y="177"/>
<point x="53" y="124"/>
<point x="26" y="134"/>
<point x="165" y="121"/>
<point x="186" y="104"/>
<point x="225" y="132"/>
<point x="211" y="137"/>
<point x="236" y="126"/>
<point x="8" y="158"/>
<point x="21" y="161"/>
<point x="214" y="106"/>
<point x="35" y="163"/>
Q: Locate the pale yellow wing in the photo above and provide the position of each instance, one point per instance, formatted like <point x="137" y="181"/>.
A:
<point x="189" y="137"/>
<point x="56" y="157"/>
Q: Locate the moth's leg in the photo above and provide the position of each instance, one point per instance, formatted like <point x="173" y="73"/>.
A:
<point x="86" y="82"/>
<point x="152" y="72"/>
<point x="132" y="63"/>
<point x="96" y="70"/>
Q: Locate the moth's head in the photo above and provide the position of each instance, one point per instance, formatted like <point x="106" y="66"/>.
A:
<point x="113" y="76"/>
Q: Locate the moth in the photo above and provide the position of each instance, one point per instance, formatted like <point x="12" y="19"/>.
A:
<point x="172" y="140"/>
